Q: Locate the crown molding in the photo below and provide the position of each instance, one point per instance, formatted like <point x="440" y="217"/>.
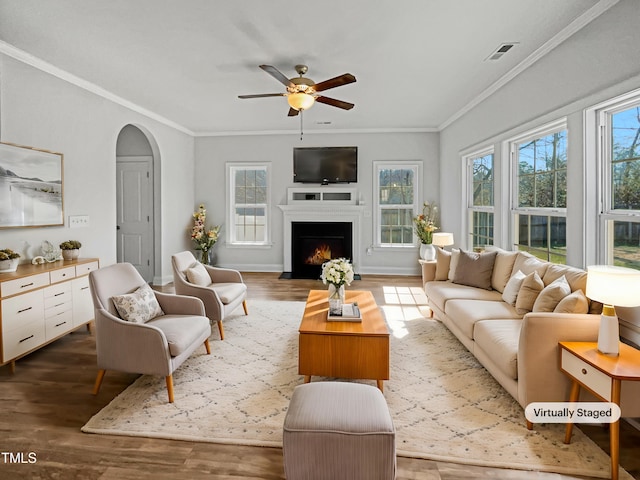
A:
<point x="582" y="21"/>
<point x="317" y="132"/>
<point x="24" y="57"/>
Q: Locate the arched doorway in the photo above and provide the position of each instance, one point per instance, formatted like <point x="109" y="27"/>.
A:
<point x="135" y="162"/>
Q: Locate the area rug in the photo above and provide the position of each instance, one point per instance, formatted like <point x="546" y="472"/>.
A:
<point x="444" y="404"/>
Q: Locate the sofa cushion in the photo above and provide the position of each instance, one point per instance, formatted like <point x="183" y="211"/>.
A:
<point x="502" y="268"/>
<point x="453" y="264"/>
<point x="529" y="290"/>
<point x="441" y="292"/>
<point x="228" y="292"/>
<point x="551" y="295"/>
<point x="527" y="263"/>
<point x="443" y="262"/>
<point x="577" y="278"/>
<point x="465" y="313"/>
<point x="511" y="289"/>
<point x="139" y="306"/>
<point x="576" y="302"/>
<point x="475" y="269"/>
<point x="499" y="340"/>
<point x="181" y="330"/>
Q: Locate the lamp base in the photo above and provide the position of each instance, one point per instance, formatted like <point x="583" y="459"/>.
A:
<point x="609" y="333"/>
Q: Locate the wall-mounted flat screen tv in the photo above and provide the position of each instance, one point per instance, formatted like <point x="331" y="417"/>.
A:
<point x="325" y="165"/>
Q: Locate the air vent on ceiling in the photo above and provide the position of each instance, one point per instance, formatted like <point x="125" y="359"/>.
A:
<point x="501" y="50"/>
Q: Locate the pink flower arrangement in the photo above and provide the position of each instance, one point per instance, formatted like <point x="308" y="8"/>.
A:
<point x="204" y="239"/>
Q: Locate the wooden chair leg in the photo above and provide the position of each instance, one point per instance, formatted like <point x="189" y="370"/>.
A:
<point x="169" y="379"/>
<point x="99" y="378"/>
<point x="244" y="305"/>
<point x="221" y="329"/>
<point x="207" y="346"/>
<point x="529" y="425"/>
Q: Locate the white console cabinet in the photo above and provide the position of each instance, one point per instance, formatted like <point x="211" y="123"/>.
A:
<point x="41" y="303"/>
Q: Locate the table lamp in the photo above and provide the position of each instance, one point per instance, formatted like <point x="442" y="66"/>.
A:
<point x="442" y="239"/>
<point x="611" y="286"/>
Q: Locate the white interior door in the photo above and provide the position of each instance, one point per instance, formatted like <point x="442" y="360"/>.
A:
<point x="135" y="213"/>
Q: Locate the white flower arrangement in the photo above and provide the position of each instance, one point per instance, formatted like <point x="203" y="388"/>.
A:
<point x="337" y="272"/>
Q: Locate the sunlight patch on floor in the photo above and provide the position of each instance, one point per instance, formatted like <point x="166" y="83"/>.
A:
<point x="404" y="305"/>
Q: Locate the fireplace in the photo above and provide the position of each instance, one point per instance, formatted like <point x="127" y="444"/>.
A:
<point x="313" y="243"/>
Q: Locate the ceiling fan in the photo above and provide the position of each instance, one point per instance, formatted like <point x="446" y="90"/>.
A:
<point x="301" y="91"/>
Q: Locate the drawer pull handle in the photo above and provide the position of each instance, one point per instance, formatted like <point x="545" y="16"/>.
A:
<point x="84" y="288"/>
<point x="58" y="294"/>
<point x="25" y="339"/>
<point x="584" y="371"/>
<point x="59" y="304"/>
<point x="60" y="324"/>
<point x="27" y="285"/>
<point x="25" y="310"/>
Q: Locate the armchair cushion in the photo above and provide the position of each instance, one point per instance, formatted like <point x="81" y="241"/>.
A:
<point x="181" y="331"/>
<point x="139" y="306"/>
<point x="228" y="292"/>
<point x="198" y="275"/>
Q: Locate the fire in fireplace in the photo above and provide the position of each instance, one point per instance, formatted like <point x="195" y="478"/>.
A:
<point x="313" y="243"/>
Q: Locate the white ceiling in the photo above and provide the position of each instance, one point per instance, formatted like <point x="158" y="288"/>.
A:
<point x="418" y="63"/>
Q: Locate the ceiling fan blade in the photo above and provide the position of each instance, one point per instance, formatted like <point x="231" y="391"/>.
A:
<point x="335" y="103"/>
<point x="343" y="79"/>
<point x="292" y="112"/>
<point x="277" y="74"/>
<point x="261" y="95"/>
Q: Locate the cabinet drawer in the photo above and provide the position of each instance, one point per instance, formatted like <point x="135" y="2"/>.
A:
<point x="86" y="268"/>
<point x="62" y="274"/>
<point x="589" y="376"/>
<point x="21" y="340"/>
<point x="57" y="308"/>
<point x="17" y="311"/>
<point x="57" y="293"/>
<point x="58" y="324"/>
<point x="25" y="284"/>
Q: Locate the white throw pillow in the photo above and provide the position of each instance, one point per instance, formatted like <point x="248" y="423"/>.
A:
<point x="511" y="289"/>
<point x="198" y="275"/>
<point x="139" y="306"/>
<point x="453" y="264"/>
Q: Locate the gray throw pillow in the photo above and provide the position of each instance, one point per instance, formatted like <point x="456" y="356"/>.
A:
<point x="475" y="269"/>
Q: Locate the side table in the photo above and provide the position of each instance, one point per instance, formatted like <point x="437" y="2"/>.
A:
<point x="602" y="375"/>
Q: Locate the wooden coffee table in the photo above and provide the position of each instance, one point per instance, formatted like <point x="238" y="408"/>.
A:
<point x="358" y="350"/>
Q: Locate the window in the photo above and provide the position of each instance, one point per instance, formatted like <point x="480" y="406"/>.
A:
<point x="619" y="148"/>
<point x="396" y="201"/>
<point x="248" y="214"/>
<point x="480" y="206"/>
<point x="539" y="161"/>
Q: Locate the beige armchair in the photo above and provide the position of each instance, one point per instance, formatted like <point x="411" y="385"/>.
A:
<point x="136" y="343"/>
<point x="221" y="289"/>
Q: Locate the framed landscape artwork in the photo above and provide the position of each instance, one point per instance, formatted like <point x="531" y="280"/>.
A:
<point x="31" y="189"/>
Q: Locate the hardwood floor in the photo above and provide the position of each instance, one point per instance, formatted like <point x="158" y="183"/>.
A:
<point x="48" y="399"/>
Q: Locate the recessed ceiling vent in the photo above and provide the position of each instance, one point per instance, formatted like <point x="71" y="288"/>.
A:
<point x="501" y="50"/>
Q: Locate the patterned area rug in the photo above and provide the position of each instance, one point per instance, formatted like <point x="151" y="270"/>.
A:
<point x="444" y="404"/>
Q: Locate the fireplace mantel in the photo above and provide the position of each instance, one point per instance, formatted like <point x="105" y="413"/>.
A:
<point x="319" y="211"/>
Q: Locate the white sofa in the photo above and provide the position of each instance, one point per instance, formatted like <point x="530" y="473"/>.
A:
<point x="517" y="346"/>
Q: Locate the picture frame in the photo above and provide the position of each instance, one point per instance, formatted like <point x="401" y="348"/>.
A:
<point x="31" y="187"/>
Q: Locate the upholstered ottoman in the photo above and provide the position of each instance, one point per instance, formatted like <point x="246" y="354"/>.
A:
<point x="338" y="430"/>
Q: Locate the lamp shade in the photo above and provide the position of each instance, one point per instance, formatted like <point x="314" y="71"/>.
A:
<point x="617" y="286"/>
<point x="300" y="101"/>
<point x="442" y="239"/>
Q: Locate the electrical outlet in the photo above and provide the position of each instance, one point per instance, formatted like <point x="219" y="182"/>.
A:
<point x="76" y="221"/>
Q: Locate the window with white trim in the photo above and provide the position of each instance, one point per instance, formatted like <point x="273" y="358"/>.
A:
<point x="396" y="191"/>
<point x="249" y="205"/>
<point x="480" y="187"/>
<point x="539" y="204"/>
<point x="619" y="152"/>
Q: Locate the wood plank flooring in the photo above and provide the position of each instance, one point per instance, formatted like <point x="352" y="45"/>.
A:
<point x="48" y="399"/>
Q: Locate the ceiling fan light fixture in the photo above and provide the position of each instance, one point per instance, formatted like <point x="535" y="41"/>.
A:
<point x="300" y="100"/>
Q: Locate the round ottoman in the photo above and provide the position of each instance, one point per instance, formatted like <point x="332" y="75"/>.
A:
<point x="338" y="430"/>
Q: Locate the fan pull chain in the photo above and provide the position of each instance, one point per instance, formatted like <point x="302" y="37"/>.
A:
<point x="301" y="133"/>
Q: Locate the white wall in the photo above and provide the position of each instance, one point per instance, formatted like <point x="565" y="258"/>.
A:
<point x="42" y="111"/>
<point x="599" y="62"/>
<point x="212" y="153"/>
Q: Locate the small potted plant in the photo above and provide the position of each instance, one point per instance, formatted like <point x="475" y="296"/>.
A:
<point x="70" y="249"/>
<point x="8" y="260"/>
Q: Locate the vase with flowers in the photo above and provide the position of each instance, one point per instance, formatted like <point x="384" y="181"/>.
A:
<point x="424" y="226"/>
<point x="8" y="260"/>
<point x="337" y="272"/>
<point x="203" y="238"/>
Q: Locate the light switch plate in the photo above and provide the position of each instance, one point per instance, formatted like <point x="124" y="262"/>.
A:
<point x="76" y="221"/>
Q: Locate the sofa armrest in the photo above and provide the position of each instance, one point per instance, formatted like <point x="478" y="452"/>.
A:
<point x="539" y="375"/>
<point x="224" y="275"/>
<point x="180" y="304"/>
<point x="428" y="271"/>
